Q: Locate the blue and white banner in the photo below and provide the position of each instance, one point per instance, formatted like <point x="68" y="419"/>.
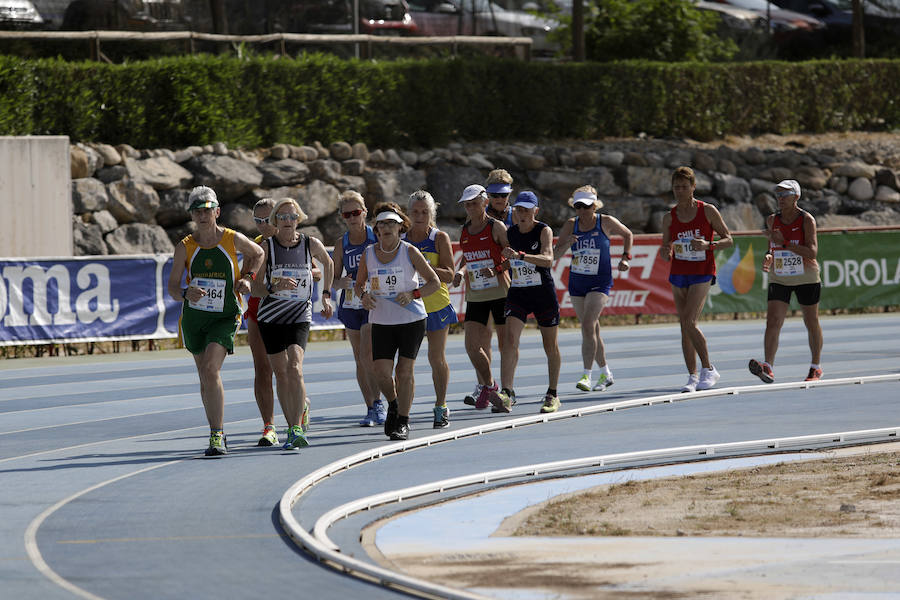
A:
<point x="94" y="298"/>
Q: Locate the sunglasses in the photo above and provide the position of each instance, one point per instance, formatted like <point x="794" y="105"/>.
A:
<point x="784" y="194"/>
<point x="261" y="220"/>
<point x="287" y="216"/>
<point x="352" y="213"/>
<point x="494" y="195"/>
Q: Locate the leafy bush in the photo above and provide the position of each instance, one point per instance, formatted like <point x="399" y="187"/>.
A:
<point x="176" y="102"/>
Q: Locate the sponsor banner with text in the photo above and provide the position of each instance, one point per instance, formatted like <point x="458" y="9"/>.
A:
<point x="124" y="297"/>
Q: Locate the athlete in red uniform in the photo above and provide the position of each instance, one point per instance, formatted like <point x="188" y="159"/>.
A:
<point x="792" y="267"/>
<point x="688" y="243"/>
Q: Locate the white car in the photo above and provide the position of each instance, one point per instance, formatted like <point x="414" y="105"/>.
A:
<point x="15" y="14"/>
<point x="456" y="17"/>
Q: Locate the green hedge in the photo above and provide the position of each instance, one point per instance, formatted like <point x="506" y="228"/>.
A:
<point x="175" y="102"/>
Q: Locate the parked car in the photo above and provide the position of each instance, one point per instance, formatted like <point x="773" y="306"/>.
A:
<point x="836" y="14"/>
<point x="376" y="17"/>
<point x="457" y="17"/>
<point x="19" y="14"/>
<point x="785" y="25"/>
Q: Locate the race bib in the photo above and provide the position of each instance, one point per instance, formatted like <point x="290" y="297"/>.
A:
<point x="351" y="300"/>
<point x="682" y="250"/>
<point x="214" y="300"/>
<point x="476" y="280"/>
<point x="523" y="274"/>
<point x="787" y="263"/>
<point x="302" y="292"/>
<point x="386" y="281"/>
<point x="585" y="261"/>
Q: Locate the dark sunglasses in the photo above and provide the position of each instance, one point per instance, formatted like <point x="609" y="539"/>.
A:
<point x="494" y="195"/>
<point x="352" y="213"/>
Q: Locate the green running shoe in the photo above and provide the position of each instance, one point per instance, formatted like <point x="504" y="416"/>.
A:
<point x="269" y="437"/>
<point x="218" y="445"/>
<point x="584" y="384"/>
<point x="304" y="418"/>
<point x="603" y="382"/>
<point x="295" y="438"/>
<point x="551" y="404"/>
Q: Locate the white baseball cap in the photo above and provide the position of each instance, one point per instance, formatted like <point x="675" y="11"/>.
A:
<point x="471" y="192"/>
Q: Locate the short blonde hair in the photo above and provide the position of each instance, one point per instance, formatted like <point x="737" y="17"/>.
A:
<point x="587" y="189"/>
<point x="273" y="219"/>
<point x="498" y="176"/>
<point x="264" y="203"/>
<point x="351" y="196"/>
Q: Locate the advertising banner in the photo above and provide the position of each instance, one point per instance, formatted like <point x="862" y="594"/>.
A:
<point x="95" y="298"/>
<point x="101" y="298"/>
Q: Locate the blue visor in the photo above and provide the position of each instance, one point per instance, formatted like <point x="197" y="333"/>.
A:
<point x="499" y="188"/>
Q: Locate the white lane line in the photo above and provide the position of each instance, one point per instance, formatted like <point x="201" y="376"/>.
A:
<point x="31" y="546"/>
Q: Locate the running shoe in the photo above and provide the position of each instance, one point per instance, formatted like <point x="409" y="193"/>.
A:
<point x="218" y="445"/>
<point x="390" y="420"/>
<point x="472" y="398"/>
<point x="400" y="432"/>
<point x="487" y="396"/>
<point x="295" y="438"/>
<point x="603" y="382"/>
<point x="550" y="405"/>
<point x="502" y="402"/>
<point x="584" y="384"/>
<point x="380" y="412"/>
<point x="691" y="385"/>
<point x="509" y="400"/>
<point x="814" y="374"/>
<point x="708" y="378"/>
<point x="762" y="370"/>
<point x="370" y="418"/>
<point x="269" y="437"/>
<point x="441" y="417"/>
<point x="304" y="418"/>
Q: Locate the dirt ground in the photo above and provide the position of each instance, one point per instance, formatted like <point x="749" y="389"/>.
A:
<point x="853" y="496"/>
<point x="599" y="543"/>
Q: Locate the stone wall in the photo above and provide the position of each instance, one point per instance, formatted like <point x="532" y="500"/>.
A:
<point x="128" y="201"/>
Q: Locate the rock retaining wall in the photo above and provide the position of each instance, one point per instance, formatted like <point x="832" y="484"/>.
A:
<point x="128" y="201"/>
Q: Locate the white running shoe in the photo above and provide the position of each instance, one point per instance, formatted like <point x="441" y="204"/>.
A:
<point x="708" y="378"/>
<point x="603" y="382"/>
<point x="691" y="385"/>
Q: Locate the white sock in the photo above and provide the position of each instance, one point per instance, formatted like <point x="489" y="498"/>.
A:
<point x="606" y="371"/>
<point x="813" y="366"/>
<point x="588" y="373"/>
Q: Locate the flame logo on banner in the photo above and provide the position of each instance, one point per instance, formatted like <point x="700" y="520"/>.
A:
<point x="738" y="273"/>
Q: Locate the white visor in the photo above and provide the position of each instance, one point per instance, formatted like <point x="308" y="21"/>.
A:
<point x="584" y="198"/>
<point x="388" y="216"/>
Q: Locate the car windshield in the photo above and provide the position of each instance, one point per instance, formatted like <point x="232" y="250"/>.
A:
<point x="752" y="4"/>
<point x="480" y="6"/>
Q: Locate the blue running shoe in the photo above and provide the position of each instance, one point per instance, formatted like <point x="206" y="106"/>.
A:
<point x="370" y="419"/>
<point x="380" y="412"/>
<point x="295" y="438"/>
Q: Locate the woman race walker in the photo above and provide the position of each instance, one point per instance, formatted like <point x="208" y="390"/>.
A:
<point x="393" y="269"/>
<point x="211" y="303"/>
<point x="499" y="186"/>
<point x="590" y="276"/>
<point x="793" y="269"/>
<point x="481" y="240"/>
<point x="687" y="241"/>
<point x="351" y="313"/>
<point x="435" y="246"/>
<point x="285" y="311"/>
<point x="262" y="370"/>
<point x="532" y="291"/>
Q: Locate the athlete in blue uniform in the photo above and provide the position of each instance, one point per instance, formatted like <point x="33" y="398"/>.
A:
<point x="590" y="276"/>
